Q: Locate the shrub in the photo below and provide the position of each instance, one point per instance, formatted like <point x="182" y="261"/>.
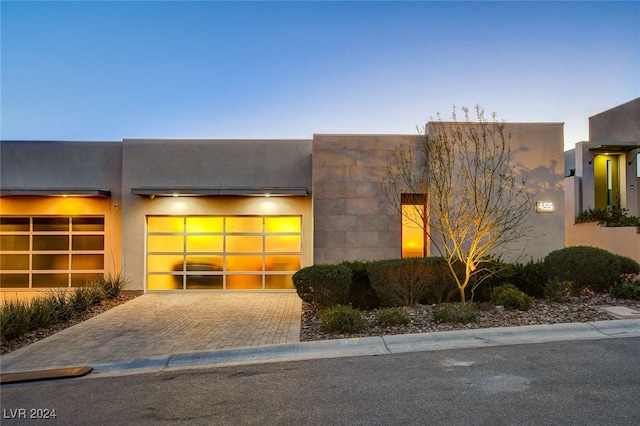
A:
<point x="628" y="287"/>
<point x="556" y="290"/>
<point x="361" y="294"/>
<point x="406" y="282"/>
<point x="389" y="317"/>
<point x="323" y="285"/>
<point x="628" y="265"/>
<point x="530" y="277"/>
<point x="587" y="267"/>
<point x="611" y="216"/>
<point x="455" y="312"/>
<point x="511" y="298"/>
<point x="342" y="319"/>
<point x="112" y="284"/>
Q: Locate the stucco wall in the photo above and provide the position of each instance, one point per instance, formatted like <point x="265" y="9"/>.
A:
<point x="623" y="240"/>
<point x="211" y="163"/>
<point x="621" y="123"/>
<point x="45" y="164"/>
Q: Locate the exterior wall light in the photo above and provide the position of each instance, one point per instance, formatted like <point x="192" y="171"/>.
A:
<point x="544" y="207"/>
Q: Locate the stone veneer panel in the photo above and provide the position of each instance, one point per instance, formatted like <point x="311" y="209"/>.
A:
<point x="352" y="218"/>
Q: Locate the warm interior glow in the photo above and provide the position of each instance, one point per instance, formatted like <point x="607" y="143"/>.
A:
<point x="413" y="236"/>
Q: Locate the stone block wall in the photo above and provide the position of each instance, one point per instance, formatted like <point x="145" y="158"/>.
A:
<point x="352" y="218"/>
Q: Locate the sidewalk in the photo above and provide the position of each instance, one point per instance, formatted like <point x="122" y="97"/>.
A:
<point x="157" y="332"/>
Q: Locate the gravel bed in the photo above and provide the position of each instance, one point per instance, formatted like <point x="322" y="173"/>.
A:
<point x="576" y="309"/>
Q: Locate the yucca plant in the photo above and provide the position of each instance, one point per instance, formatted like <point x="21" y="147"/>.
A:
<point x="113" y="284"/>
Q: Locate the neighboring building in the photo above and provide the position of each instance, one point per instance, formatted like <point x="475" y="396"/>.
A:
<point x="223" y="214"/>
<point x="602" y="173"/>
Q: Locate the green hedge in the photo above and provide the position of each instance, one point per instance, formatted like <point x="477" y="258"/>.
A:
<point x="323" y="285"/>
<point x="406" y="282"/>
<point x="587" y="267"/>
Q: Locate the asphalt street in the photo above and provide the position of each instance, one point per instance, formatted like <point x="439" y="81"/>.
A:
<point x="586" y="382"/>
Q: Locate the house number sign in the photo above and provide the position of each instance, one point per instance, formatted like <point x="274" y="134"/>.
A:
<point x="544" y="206"/>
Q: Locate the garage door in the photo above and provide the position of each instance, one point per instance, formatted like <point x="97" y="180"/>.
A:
<point x="222" y="252"/>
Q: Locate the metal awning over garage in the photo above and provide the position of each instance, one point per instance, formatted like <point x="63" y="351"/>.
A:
<point x="221" y="191"/>
<point x="86" y="192"/>
<point x="613" y="147"/>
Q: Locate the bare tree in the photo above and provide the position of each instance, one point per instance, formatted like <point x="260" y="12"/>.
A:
<point x="477" y="203"/>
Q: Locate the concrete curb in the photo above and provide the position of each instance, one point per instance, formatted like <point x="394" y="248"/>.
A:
<point x="381" y="345"/>
<point x="384" y="345"/>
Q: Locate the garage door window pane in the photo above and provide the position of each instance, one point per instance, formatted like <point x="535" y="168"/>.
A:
<point x="14" y="280"/>
<point x="14" y="243"/>
<point x="204" y="263"/>
<point x="159" y="243"/>
<point x="244" y="282"/>
<point x="283" y="263"/>
<point x="51" y="261"/>
<point x="205" y="243"/>
<point x="50" y="242"/>
<point x="166" y="224"/>
<point x="50" y="280"/>
<point x="244" y="263"/>
<point x="165" y="262"/>
<point x="50" y="223"/>
<point x="204" y="282"/>
<point x="87" y="261"/>
<point x="244" y="243"/>
<point x="278" y="282"/>
<point x="87" y="242"/>
<point x="205" y="224"/>
<point x="286" y="243"/>
<point x="164" y="282"/>
<point x="8" y="224"/>
<point x="14" y="262"/>
<point x="282" y="224"/>
<point x="244" y="224"/>
<point x="83" y="224"/>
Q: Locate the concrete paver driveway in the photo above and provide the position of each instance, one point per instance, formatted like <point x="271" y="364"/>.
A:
<point x="159" y="324"/>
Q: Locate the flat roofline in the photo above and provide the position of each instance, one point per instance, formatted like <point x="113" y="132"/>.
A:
<point x="221" y="191"/>
<point x="86" y="192"/>
<point x="619" y="146"/>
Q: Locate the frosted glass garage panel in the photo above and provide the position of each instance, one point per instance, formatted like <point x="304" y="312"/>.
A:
<point x="244" y="243"/>
<point x="282" y="243"/>
<point x="282" y="262"/>
<point x="244" y="224"/>
<point x="165" y="224"/>
<point x="164" y="282"/>
<point x="282" y="224"/>
<point x="278" y="282"/>
<point x="165" y="262"/>
<point x="205" y="224"/>
<point x="244" y="282"/>
<point x="166" y="243"/>
<point x="205" y="243"/>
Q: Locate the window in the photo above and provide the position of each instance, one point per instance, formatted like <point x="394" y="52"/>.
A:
<point x="222" y="252"/>
<point x="413" y="233"/>
<point x="50" y="251"/>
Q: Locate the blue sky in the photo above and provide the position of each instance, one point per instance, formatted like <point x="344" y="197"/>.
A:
<point x="113" y="70"/>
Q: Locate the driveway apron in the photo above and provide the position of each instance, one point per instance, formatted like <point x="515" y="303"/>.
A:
<point x="159" y="324"/>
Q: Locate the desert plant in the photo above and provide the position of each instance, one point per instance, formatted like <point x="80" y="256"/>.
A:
<point x="113" y="284"/>
<point x="556" y="290"/>
<point x="62" y="305"/>
<point x="587" y="267"/>
<point x="628" y="287"/>
<point x="41" y="313"/>
<point x="14" y="317"/>
<point x="323" y="285"/>
<point x="394" y="316"/>
<point x="511" y="298"/>
<point x="82" y="298"/>
<point x="342" y="319"/>
<point x="455" y="312"/>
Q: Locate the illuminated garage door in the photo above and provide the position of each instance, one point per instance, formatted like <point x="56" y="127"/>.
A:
<point x="222" y="252"/>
